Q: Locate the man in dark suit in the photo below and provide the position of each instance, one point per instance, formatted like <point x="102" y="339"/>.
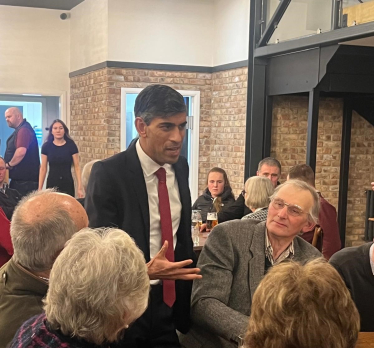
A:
<point x="125" y="191"/>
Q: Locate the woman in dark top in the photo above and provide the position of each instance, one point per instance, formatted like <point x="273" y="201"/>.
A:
<point x="217" y="194"/>
<point x="60" y="151"/>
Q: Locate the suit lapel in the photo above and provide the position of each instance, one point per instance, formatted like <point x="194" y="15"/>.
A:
<point x="257" y="262"/>
<point x="139" y="186"/>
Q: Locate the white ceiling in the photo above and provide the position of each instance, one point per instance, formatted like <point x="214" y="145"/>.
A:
<point x="65" y="5"/>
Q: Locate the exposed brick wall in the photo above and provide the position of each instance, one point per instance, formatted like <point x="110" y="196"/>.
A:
<point x="360" y="175"/>
<point x="227" y="142"/>
<point x="95" y="114"/>
<point x="290" y="114"/>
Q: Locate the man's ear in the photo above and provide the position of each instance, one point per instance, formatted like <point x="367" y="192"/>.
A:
<point x="257" y="173"/>
<point x="308" y="226"/>
<point x="140" y="127"/>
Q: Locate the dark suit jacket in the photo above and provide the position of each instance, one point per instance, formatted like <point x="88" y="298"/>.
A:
<point x="117" y="196"/>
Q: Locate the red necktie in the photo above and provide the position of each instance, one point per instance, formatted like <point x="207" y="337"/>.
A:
<point x="166" y="231"/>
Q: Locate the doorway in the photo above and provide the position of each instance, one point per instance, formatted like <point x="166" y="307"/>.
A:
<point x="38" y="111"/>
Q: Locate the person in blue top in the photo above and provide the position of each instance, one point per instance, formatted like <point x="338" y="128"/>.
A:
<point x="61" y="152"/>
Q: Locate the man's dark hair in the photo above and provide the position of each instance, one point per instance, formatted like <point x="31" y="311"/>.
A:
<point x="271" y="162"/>
<point x="158" y="101"/>
<point x="302" y="172"/>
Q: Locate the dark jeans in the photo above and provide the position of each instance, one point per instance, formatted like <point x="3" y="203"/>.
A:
<point x="155" y="328"/>
<point x="24" y="187"/>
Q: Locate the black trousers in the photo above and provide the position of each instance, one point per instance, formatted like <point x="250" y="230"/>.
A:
<point x="155" y="328"/>
<point x="24" y="187"/>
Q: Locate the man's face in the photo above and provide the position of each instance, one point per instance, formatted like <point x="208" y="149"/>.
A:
<point x="280" y="223"/>
<point x="2" y="172"/>
<point x="270" y="172"/>
<point x="12" y="118"/>
<point x="162" y="139"/>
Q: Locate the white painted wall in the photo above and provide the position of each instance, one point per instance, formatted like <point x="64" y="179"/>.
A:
<point x="34" y="51"/>
<point x="231" y="31"/>
<point x="89" y="34"/>
<point x="161" y="31"/>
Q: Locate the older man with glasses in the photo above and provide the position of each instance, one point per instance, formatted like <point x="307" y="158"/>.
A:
<point x="236" y="257"/>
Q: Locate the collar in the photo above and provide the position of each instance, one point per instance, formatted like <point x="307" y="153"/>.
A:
<point x="289" y="252"/>
<point x="149" y="166"/>
<point x="371" y="252"/>
<point x="258" y="209"/>
<point x="21" y="124"/>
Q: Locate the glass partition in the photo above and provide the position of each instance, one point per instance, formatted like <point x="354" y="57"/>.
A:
<point x="302" y="18"/>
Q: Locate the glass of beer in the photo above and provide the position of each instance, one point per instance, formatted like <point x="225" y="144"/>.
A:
<point x="211" y="220"/>
<point x="196" y="218"/>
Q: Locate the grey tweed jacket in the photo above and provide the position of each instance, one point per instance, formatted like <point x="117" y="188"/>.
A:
<point x="232" y="264"/>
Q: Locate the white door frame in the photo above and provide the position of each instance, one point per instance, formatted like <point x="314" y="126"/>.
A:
<point x="194" y="134"/>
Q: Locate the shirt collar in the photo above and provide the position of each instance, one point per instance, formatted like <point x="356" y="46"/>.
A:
<point x="288" y="253"/>
<point x="371" y="251"/>
<point x="149" y="166"/>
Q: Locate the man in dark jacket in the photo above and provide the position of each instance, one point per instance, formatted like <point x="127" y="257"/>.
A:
<point x="268" y="167"/>
<point x="9" y="198"/>
<point x="356" y="266"/>
<point x="22" y="153"/>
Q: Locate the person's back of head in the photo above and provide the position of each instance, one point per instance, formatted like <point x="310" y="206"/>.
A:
<point x="258" y="190"/>
<point x="42" y="223"/>
<point x="302" y="172"/>
<point x="86" y="172"/>
<point x="302" y="306"/>
<point x="98" y="286"/>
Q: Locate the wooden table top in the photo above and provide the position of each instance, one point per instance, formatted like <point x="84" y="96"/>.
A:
<point x="365" y="340"/>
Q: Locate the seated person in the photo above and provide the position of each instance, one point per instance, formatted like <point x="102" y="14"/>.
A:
<point x="270" y="168"/>
<point x="327" y="218"/>
<point x="217" y="194"/>
<point x="42" y="223"/>
<point x="356" y="266"/>
<point x="98" y="286"/>
<point x="238" y="254"/>
<point x="302" y="306"/>
<point x="9" y="198"/>
<point x="258" y="190"/>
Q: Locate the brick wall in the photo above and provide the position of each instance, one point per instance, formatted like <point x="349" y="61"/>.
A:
<point x="95" y="114"/>
<point x="360" y="176"/>
<point x="227" y="141"/>
<point x="95" y="121"/>
<point x="290" y="114"/>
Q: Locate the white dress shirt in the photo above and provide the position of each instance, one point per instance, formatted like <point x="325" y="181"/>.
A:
<point x="149" y="168"/>
<point x="371" y="251"/>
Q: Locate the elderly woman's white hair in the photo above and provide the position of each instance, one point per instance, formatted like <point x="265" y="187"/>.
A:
<point x="258" y="189"/>
<point x="98" y="286"/>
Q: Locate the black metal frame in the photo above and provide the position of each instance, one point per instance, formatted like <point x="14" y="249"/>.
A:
<point x="344" y="166"/>
<point x="311" y="144"/>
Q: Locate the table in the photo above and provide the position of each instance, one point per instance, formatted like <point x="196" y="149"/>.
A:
<point x="365" y="340"/>
<point x="202" y="239"/>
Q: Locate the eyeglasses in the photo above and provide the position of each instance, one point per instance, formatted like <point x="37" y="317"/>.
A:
<point x="292" y="209"/>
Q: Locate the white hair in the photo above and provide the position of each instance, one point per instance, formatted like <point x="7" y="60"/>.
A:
<point x="98" y="285"/>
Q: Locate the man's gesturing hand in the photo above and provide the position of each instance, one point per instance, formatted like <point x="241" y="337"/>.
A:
<point x="160" y="268"/>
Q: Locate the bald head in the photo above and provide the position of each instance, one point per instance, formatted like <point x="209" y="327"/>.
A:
<point x="38" y="207"/>
<point x="41" y="225"/>
<point x="13" y="117"/>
